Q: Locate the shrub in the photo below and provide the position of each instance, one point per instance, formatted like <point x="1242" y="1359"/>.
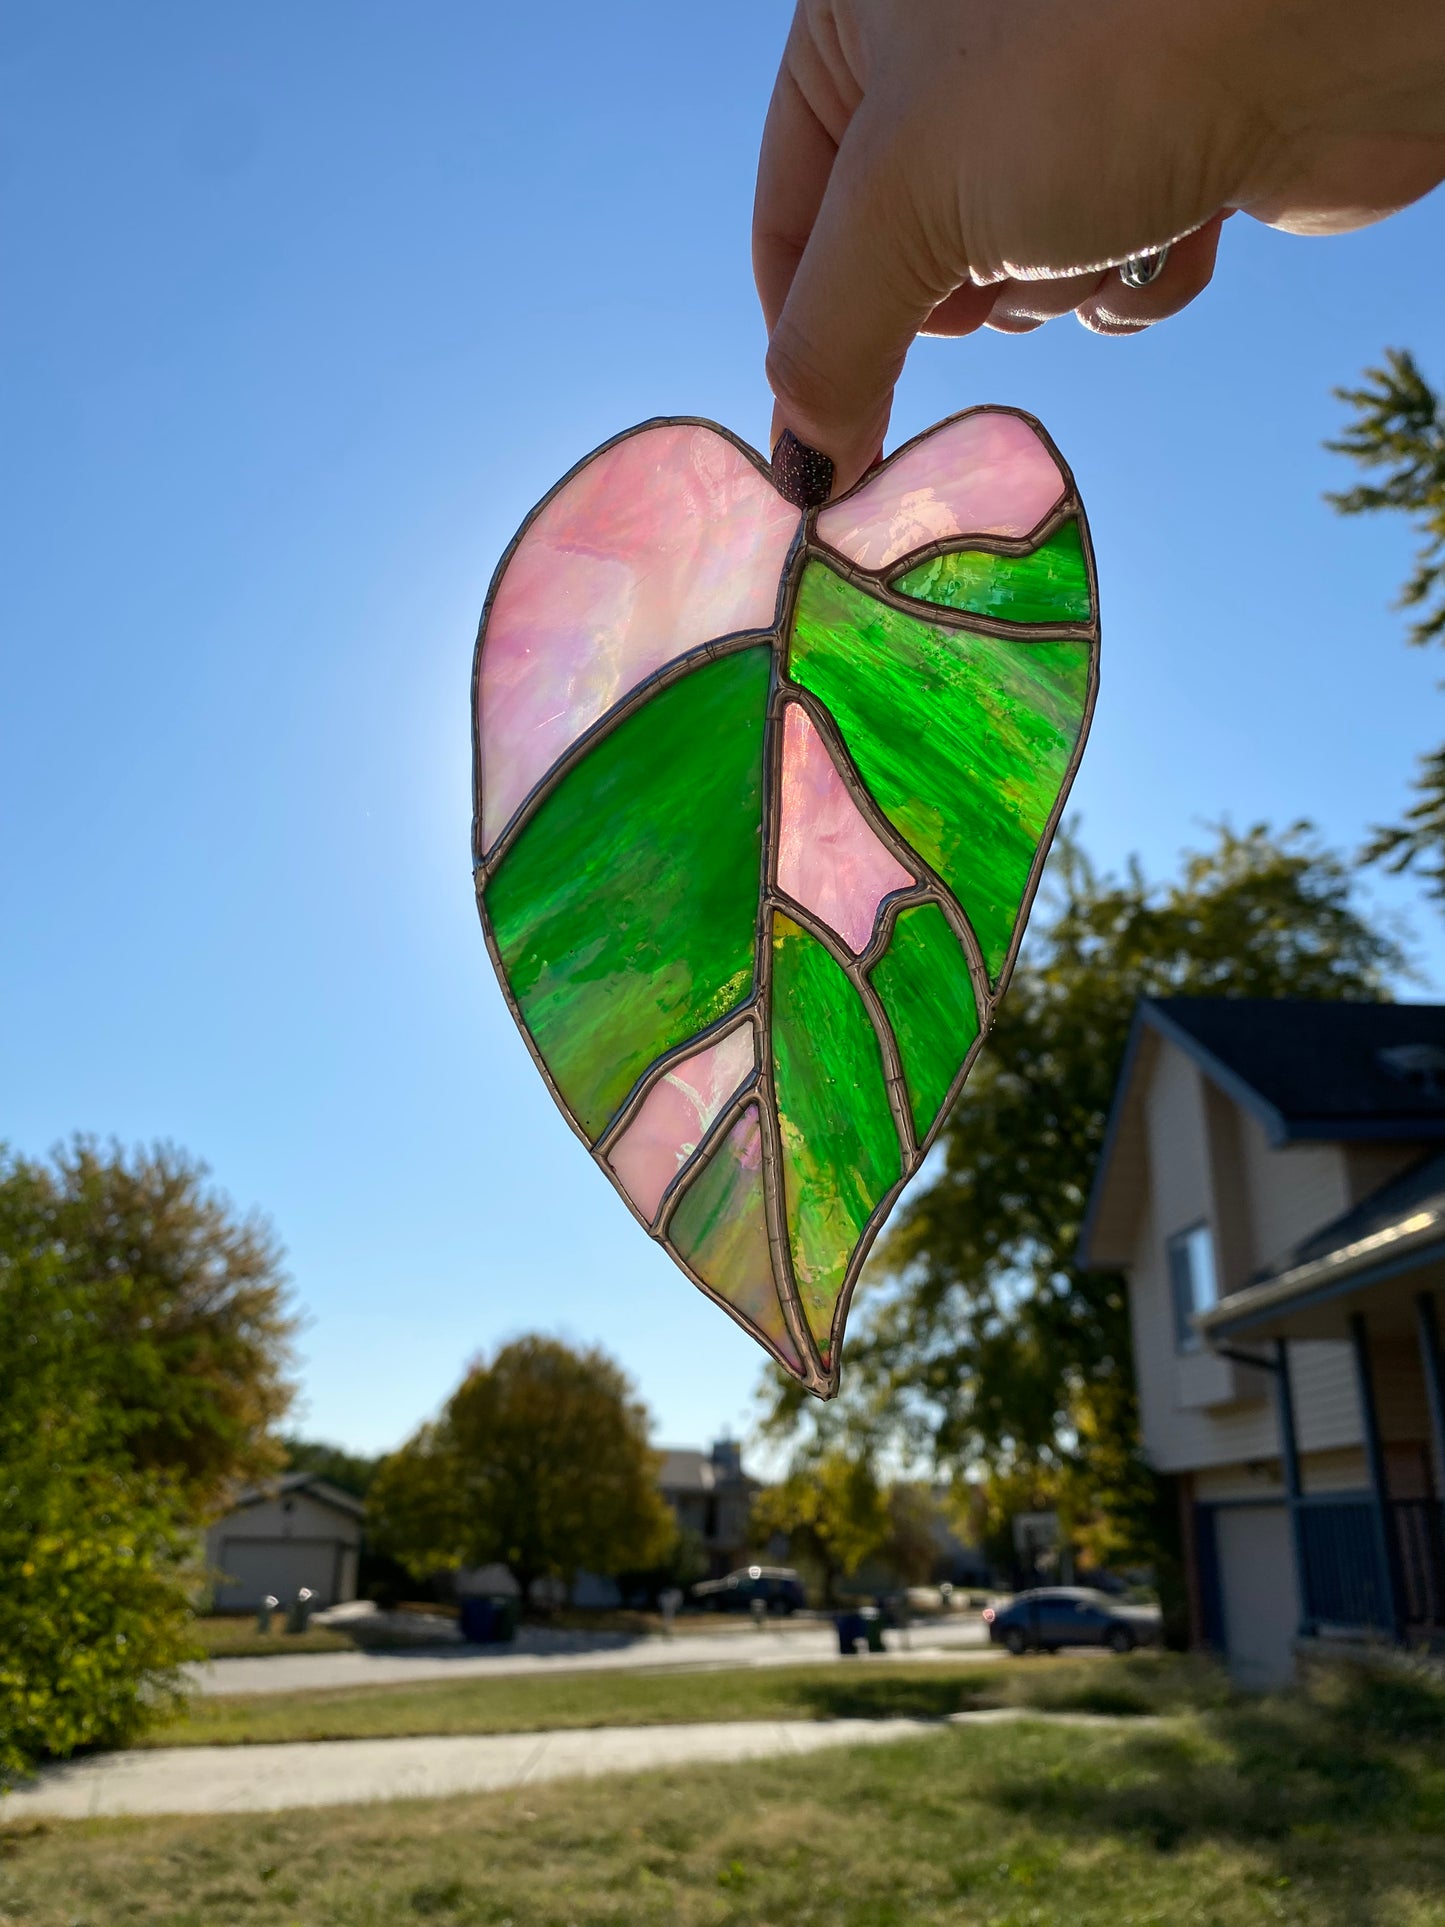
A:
<point x="93" y="1553"/>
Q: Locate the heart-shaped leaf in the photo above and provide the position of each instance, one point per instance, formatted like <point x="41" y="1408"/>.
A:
<point x="761" y="803"/>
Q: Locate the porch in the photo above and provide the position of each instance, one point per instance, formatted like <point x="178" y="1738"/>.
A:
<point x="1369" y="1563"/>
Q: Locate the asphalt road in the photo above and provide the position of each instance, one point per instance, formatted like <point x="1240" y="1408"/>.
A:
<point x="536" y="1650"/>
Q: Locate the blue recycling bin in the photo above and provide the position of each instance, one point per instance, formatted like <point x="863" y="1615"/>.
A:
<point x="851" y="1628"/>
<point x="487" y="1622"/>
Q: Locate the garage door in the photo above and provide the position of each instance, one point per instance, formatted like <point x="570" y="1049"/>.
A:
<point x="1257" y="1592"/>
<point x="255" y="1567"/>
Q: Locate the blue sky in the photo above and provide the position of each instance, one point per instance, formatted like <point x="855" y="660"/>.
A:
<point x="304" y="307"/>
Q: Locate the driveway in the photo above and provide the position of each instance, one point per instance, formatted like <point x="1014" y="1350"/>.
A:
<point x="535" y="1650"/>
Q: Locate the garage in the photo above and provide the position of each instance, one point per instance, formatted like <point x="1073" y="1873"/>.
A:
<point x="298" y="1532"/>
<point x="254" y="1568"/>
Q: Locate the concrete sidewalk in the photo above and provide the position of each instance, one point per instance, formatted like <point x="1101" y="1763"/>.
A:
<point x="267" y="1779"/>
<point x="538" y="1651"/>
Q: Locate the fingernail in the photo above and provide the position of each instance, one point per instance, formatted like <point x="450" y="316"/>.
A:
<point x="804" y="475"/>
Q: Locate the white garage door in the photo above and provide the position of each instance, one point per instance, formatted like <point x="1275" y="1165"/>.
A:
<point x="255" y="1567"/>
<point x="1259" y="1595"/>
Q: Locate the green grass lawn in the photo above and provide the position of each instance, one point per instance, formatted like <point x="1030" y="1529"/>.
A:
<point x="869" y="1689"/>
<point x="231" y="1636"/>
<point x="1325" y="1810"/>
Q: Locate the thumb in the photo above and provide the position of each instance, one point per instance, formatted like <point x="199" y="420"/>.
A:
<point x="864" y="287"/>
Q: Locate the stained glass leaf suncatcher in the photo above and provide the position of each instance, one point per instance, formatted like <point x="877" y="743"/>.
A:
<point x="761" y="802"/>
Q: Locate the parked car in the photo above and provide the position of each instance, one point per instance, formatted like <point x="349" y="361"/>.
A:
<point x="1049" y="1617"/>
<point x="779" y="1588"/>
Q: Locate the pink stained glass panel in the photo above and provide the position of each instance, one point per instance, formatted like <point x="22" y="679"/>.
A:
<point x="986" y="474"/>
<point x="675" y="1115"/>
<point x="721" y="1228"/>
<point x="669" y="539"/>
<point x="829" y="859"/>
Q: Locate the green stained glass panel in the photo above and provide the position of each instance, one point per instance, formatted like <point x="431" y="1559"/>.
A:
<point x="720" y="1227"/>
<point x="712" y="752"/>
<point x="923" y="983"/>
<point x="963" y="740"/>
<point x="840" y="1145"/>
<point x="1050" y="585"/>
<point x="625" y="913"/>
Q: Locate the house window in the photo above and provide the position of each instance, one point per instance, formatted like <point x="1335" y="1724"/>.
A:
<point x="1192" y="1280"/>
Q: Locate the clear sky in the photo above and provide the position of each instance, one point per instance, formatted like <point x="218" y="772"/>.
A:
<point x="304" y="307"/>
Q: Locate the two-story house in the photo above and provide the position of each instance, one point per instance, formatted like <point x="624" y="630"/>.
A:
<point x="712" y="1498"/>
<point x="1272" y="1185"/>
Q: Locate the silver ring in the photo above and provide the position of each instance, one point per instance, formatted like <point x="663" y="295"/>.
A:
<point x="1141" y="269"/>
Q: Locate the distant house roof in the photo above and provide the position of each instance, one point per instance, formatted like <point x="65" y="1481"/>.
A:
<point x="685" y="1469"/>
<point x="1306" y="1069"/>
<point x="311" y="1483"/>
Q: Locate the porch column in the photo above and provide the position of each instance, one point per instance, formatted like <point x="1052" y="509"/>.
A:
<point x="1379" y="1485"/>
<point x="1427" y="1325"/>
<point x="1289" y="1460"/>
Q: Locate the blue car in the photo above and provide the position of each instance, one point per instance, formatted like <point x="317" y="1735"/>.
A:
<point x="1049" y="1617"/>
<point x="779" y="1588"/>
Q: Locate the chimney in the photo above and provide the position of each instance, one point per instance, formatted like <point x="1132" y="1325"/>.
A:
<point x="727" y="1459"/>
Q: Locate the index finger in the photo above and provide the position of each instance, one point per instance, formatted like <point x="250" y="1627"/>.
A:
<point x="793" y="168"/>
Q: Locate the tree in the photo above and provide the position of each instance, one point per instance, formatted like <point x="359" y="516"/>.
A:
<point x="94" y="1554"/>
<point x="180" y="1306"/>
<point x="832" y="1510"/>
<point x="1399" y="427"/>
<point x="992" y="1351"/>
<point x="539" y="1460"/>
<point x="916" y="1523"/>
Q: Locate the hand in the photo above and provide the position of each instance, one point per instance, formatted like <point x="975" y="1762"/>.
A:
<point x="937" y="166"/>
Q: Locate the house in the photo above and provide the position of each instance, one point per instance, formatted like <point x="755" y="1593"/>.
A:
<point x="291" y="1532"/>
<point x="711" y="1497"/>
<point x="1272" y="1186"/>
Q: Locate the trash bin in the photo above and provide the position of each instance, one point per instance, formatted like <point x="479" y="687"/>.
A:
<point x="872" y="1628"/>
<point x="487" y="1622"/>
<point x="851" y="1628"/>
<point x="298" y="1614"/>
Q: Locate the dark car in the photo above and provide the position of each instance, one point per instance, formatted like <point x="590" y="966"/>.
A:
<point x="1053" y="1616"/>
<point x="779" y="1588"/>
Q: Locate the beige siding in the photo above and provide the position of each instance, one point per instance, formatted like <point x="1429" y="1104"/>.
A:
<point x="1320" y="1472"/>
<point x="1292" y="1189"/>
<point x="1209" y="1160"/>
<point x="1180" y="1437"/>
<point x="1326" y="1404"/>
<point x="1233" y="1230"/>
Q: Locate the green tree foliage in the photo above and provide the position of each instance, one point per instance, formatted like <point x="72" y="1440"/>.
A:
<point x="179" y="1307"/>
<point x="916" y="1524"/>
<point x="1399" y="428"/>
<point x="992" y="1352"/>
<point x="832" y="1510"/>
<point x="93" y="1552"/>
<point x="539" y="1460"/>
<point x="353" y="1472"/>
